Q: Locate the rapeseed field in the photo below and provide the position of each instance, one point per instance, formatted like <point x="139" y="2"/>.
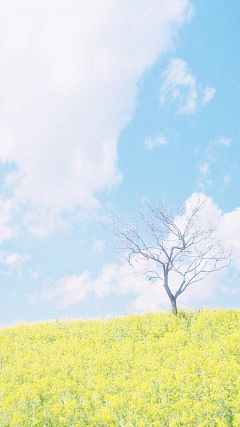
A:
<point x="152" y="370"/>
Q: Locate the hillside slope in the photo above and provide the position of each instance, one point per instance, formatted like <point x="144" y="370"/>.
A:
<point x="142" y="371"/>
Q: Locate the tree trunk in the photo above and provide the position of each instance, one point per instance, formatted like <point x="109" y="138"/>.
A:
<point x="172" y="298"/>
<point x="174" y="306"/>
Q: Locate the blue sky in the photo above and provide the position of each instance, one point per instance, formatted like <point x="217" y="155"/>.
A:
<point x="103" y="103"/>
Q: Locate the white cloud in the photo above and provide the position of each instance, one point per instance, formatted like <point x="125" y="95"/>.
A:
<point x="118" y="279"/>
<point x="123" y="280"/>
<point x="68" y="87"/>
<point x="156" y="142"/>
<point x="208" y="95"/>
<point x="13" y="260"/>
<point x="69" y="291"/>
<point x="180" y="85"/>
<point x="231" y="226"/>
<point x="209" y="213"/>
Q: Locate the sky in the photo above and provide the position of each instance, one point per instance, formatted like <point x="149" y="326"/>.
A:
<point x="103" y="103"/>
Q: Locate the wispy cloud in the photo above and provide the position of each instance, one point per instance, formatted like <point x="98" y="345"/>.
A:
<point x="222" y="140"/>
<point x="228" y="176"/>
<point x="212" y="156"/>
<point x="204" y="168"/>
<point x="182" y="88"/>
<point x="208" y="95"/>
<point x="204" y="180"/>
<point x="158" y="141"/>
<point x="227" y="179"/>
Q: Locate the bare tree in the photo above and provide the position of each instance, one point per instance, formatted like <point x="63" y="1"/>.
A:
<point x="177" y="248"/>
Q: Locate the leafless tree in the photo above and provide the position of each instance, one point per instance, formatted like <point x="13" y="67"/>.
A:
<point x="178" y="248"/>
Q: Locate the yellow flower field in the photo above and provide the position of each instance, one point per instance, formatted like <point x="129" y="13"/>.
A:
<point x="153" y="370"/>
